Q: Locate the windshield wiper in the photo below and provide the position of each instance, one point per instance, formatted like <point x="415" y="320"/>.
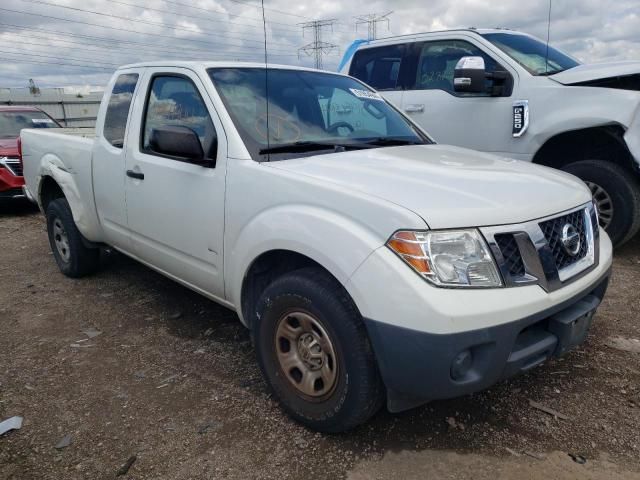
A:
<point x="307" y="146"/>
<point x="392" y="142"/>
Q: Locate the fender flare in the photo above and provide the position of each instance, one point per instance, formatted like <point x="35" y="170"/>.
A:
<point x="336" y="242"/>
<point x="83" y="211"/>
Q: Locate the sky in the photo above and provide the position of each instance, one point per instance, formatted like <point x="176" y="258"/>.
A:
<point x="81" y="42"/>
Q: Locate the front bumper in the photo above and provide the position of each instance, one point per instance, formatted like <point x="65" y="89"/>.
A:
<point x="418" y="332"/>
<point x="418" y="367"/>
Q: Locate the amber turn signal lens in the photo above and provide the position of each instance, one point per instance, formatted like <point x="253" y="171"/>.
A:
<point x="409" y="248"/>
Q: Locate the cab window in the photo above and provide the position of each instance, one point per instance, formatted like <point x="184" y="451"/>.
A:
<point x="174" y="101"/>
<point x="437" y="61"/>
<point x="115" y="121"/>
<point x="379" y="66"/>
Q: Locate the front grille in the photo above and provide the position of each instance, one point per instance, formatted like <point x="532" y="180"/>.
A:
<point x="533" y="252"/>
<point x="511" y="253"/>
<point x="552" y="230"/>
<point x="14" y="165"/>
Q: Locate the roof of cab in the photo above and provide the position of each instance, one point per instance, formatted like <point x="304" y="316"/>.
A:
<point x="18" y="108"/>
<point x="214" y="64"/>
<point x="420" y="35"/>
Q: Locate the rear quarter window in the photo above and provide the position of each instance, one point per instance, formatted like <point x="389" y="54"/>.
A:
<point x="115" y="121"/>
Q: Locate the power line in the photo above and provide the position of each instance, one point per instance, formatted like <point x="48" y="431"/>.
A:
<point x="210" y="43"/>
<point x="102" y="40"/>
<point x="59" y="58"/>
<point x="151" y="50"/>
<point x="372" y="20"/>
<point x="33" y="62"/>
<point x="145" y="22"/>
<point x="285" y="26"/>
<point x="258" y="6"/>
<point x="317" y="48"/>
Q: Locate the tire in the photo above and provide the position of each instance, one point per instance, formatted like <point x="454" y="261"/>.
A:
<point x="610" y="180"/>
<point x="353" y="391"/>
<point x="73" y="257"/>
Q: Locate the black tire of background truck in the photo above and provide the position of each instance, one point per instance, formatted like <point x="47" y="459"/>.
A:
<point x="82" y="260"/>
<point x="358" y="393"/>
<point x="623" y="189"/>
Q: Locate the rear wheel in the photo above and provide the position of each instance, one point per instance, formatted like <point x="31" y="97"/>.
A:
<point x="73" y="257"/>
<point x="314" y="352"/>
<point x="616" y="193"/>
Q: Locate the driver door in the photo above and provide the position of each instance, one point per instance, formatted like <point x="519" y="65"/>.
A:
<point x="175" y="209"/>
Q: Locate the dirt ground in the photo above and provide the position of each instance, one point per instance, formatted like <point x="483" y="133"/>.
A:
<point x="171" y="383"/>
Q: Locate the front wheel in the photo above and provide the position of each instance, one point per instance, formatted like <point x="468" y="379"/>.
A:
<point x="314" y="352"/>
<point x="73" y="257"/>
<point x="616" y="194"/>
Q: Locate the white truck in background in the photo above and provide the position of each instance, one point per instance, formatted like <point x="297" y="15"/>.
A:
<point x="514" y="97"/>
<point x="369" y="263"/>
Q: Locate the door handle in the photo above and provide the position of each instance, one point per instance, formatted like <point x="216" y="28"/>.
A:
<point x="417" y="108"/>
<point x="136" y="175"/>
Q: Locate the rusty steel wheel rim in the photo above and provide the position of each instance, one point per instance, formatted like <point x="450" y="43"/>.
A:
<point x="306" y="354"/>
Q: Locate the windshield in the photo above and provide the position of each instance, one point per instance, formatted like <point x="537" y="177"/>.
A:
<point x="531" y="53"/>
<point x="12" y="122"/>
<point x="308" y="112"/>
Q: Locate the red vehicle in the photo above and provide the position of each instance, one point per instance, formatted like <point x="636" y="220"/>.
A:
<point x="12" y="120"/>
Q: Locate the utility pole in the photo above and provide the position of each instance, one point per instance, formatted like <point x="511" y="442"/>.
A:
<point x="317" y="48"/>
<point x="372" y="20"/>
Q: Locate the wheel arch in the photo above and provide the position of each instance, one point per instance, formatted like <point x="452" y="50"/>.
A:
<point x="264" y="269"/>
<point x="603" y="142"/>
<point x="50" y="190"/>
<point x="57" y="181"/>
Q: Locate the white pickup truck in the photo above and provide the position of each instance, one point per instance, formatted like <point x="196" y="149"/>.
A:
<point x="508" y="93"/>
<point x="369" y="263"/>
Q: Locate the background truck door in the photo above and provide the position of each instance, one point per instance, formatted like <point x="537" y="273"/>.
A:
<point x="175" y="208"/>
<point x="477" y="121"/>
<point x="381" y="68"/>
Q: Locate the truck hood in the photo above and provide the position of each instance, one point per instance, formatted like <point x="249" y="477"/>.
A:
<point x="8" y="147"/>
<point x="449" y="187"/>
<point x="596" y="71"/>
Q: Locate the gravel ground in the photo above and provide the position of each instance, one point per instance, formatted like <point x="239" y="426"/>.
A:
<point x="171" y="384"/>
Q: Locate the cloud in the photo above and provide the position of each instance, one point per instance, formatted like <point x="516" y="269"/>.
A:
<point x="60" y="42"/>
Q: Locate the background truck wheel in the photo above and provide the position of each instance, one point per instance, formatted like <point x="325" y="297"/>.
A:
<point x="314" y="352"/>
<point x="72" y="256"/>
<point x="616" y="193"/>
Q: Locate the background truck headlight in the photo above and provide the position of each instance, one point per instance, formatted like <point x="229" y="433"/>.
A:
<point x="448" y="258"/>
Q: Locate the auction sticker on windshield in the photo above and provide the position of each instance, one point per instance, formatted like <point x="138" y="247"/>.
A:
<point x="365" y="94"/>
<point x="41" y="120"/>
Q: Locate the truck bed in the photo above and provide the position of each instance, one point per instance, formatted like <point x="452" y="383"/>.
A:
<point x="65" y="155"/>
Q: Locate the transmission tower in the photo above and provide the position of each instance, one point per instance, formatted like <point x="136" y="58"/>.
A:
<point x="317" y="48"/>
<point x="372" y="20"/>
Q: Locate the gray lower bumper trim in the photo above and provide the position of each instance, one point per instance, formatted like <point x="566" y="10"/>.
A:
<point x="416" y="366"/>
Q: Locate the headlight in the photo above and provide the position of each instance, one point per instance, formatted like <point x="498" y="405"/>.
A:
<point x="448" y="258"/>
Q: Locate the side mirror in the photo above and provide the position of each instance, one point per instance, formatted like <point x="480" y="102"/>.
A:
<point x="469" y="75"/>
<point x="181" y="142"/>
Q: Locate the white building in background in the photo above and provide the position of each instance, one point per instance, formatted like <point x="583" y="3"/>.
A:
<point x="73" y="106"/>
